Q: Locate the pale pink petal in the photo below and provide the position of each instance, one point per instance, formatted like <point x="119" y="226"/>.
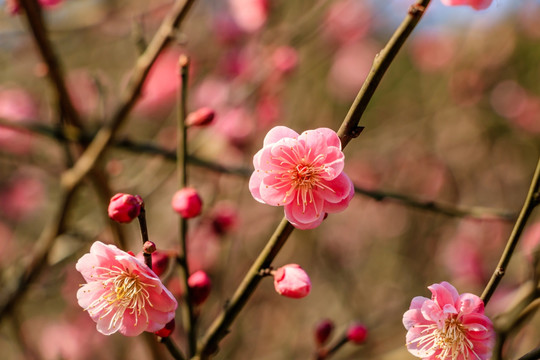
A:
<point x="471" y="304"/>
<point x="331" y="137"/>
<point x="342" y="205"/>
<point x="277" y="133"/>
<point x="334" y="162"/>
<point x="336" y="190"/>
<point x="88" y="293"/>
<point x="306" y="213"/>
<point x="443" y="294"/>
<point x="301" y="225"/>
<point x="133" y="324"/>
<point x="314" y="144"/>
<point x="417" y="302"/>
<point x="255" y="182"/>
<point x="163" y="301"/>
<point x="413" y="317"/>
<point x="106" y="325"/>
<point x="276" y="193"/>
<point x="432" y="311"/>
<point x="424" y="350"/>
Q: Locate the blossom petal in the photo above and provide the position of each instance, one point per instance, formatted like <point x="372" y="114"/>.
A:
<point x="443" y="294"/>
<point x="343" y="204"/>
<point x="471" y="304"/>
<point x="277" y="133"/>
<point x="331" y="137"/>
<point x="299" y="224"/>
<point x="276" y="192"/>
<point x="336" y="190"/>
<point x="334" y="163"/>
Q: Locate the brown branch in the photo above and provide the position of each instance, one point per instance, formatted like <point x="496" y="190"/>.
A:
<point x="32" y="11"/>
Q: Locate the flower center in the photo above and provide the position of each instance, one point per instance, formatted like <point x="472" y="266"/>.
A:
<point x="451" y="340"/>
<point x="123" y="291"/>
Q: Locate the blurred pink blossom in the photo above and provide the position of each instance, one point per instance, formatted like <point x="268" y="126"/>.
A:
<point x="323" y="330"/>
<point x="200" y="286"/>
<point x="212" y="92"/>
<point x="250" y="15"/>
<point x="448" y="326"/>
<point x="122" y="294"/>
<point x="292" y="281"/>
<point x="83" y="91"/>
<point x="530" y="243"/>
<point x="17" y="106"/>
<point x="187" y="203"/>
<point x="158" y="93"/>
<point x="350" y="67"/>
<point x="303" y="173"/>
<point x="236" y="125"/>
<point x="268" y="110"/>
<point x="22" y="196"/>
<point x="226" y="31"/>
<point x="285" y="59"/>
<point x="432" y="51"/>
<point x="510" y="100"/>
<point x="13" y="7"/>
<point x="475" y="4"/>
<point x="224" y="217"/>
<point x="347" y="21"/>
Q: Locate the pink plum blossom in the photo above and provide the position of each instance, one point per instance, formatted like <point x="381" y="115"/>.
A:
<point x="250" y="15"/>
<point x="303" y="173"/>
<point x="292" y="281"/>
<point x="357" y="333"/>
<point x="449" y="326"/>
<point x="475" y="4"/>
<point x="122" y="294"/>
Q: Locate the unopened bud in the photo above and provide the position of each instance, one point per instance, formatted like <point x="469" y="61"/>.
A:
<point x="149" y="247"/>
<point x="323" y="331"/>
<point x="124" y="208"/>
<point x="200" y="286"/>
<point x="357" y="333"/>
<point x="160" y="261"/>
<point x="202" y="117"/>
<point x="187" y="203"/>
<point x="292" y="281"/>
<point x="167" y="330"/>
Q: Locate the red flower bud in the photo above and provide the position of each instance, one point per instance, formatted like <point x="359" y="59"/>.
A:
<point x="125" y="207"/>
<point x="167" y="330"/>
<point x="292" y="281"/>
<point x="149" y="247"/>
<point x="160" y="261"/>
<point x="200" y="286"/>
<point x="357" y="333"/>
<point x="187" y="203"/>
<point x="323" y="331"/>
<point x="202" y="117"/>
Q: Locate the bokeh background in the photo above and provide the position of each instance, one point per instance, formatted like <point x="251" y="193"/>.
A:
<point x="456" y="120"/>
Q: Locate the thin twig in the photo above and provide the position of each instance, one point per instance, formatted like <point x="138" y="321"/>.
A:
<point x="350" y="129"/>
<point x="144" y="236"/>
<point x="324" y="354"/>
<point x="173" y="349"/>
<point x="32" y="11"/>
<point x="531" y="201"/>
<point x="190" y="321"/>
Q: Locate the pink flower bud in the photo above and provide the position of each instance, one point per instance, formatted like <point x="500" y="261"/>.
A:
<point x="323" y="331"/>
<point x="167" y="330"/>
<point x="202" y="117"/>
<point x="357" y="333"/>
<point x="292" y="281"/>
<point x="224" y="218"/>
<point x="125" y="207"/>
<point x="187" y="203"/>
<point x="200" y="285"/>
<point x="160" y="261"/>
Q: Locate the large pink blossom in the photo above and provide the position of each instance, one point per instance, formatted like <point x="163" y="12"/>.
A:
<point x="475" y="4"/>
<point x="122" y="294"/>
<point x="449" y="326"/>
<point x="303" y="173"/>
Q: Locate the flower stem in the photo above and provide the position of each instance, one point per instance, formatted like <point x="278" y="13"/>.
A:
<point x="144" y="235"/>
<point x="220" y="326"/>
<point x="324" y="354"/>
<point x="349" y="128"/>
<point x="190" y="320"/>
<point x="173" y="349"/>
<point x="531" y="201"/>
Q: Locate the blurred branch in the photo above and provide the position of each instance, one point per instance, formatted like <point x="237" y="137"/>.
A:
<point x="32" y="11"/>
<point x="531" y="201"/>
<point x="474" y="212"/>
<point x="349" y="128"/>
<point x="190" y="320"/>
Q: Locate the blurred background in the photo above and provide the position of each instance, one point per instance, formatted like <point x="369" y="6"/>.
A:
<point x="456" y="120"/>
